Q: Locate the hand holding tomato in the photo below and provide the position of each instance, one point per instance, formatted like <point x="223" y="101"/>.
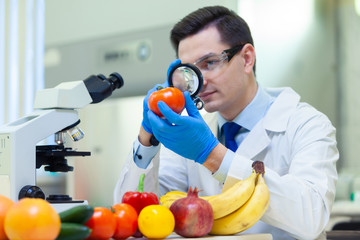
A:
<point x="188" y="136"/>
<point x="145" y="122"/>
<point x="172" y="96"/>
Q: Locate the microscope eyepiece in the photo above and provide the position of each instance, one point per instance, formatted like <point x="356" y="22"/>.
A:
<point x="116" y="80"/>
<point x="101" y="76"/>
<point x="101" y="87"/>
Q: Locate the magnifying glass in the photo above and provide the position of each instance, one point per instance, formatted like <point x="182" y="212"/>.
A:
<point x="187" y="77"/>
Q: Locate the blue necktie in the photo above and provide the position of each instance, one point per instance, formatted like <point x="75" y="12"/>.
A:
<point x="230" y="130"/>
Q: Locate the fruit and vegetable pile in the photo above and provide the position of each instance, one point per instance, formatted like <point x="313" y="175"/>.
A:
<point x="141" y="215"/>
<point x="237" y="208"/>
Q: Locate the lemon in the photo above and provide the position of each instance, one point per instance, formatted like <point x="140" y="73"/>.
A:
<point x="156" y="221"/>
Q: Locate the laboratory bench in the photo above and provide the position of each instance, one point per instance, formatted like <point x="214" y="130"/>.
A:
<point x="343" y="235"/>
<point x="239" y="236"/>
<point x="331" y="235"/>
<point x="344" y="221"/>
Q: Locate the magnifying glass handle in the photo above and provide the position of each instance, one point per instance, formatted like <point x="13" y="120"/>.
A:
<point x="154" y="141"/>
<point x="198" y="103"/>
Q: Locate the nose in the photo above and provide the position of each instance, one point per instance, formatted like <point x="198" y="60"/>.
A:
<point x="205" y="77"/>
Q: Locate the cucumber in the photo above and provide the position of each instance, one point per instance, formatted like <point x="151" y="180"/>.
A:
<point x="73" y="231"/>
<point x="78" y="214"/>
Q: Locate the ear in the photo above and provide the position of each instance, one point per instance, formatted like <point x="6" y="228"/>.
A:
<point x="248" y="53"/>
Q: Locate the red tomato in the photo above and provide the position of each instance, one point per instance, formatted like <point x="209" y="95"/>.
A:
<point x="126" y="220"/>
<point x="102" y="223"/>
<point x="172" y="96"/>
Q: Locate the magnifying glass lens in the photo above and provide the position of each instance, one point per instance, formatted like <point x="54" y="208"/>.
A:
<point x="185" y="79"/>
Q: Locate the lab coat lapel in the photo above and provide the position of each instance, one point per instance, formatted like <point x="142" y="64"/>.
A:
<point x="255" y="142"/>
<point x="275" y="121"/>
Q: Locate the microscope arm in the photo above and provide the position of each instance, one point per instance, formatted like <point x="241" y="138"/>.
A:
<point x="78" y="94"/>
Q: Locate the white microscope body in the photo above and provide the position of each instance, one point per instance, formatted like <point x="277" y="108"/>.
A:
<point x="55" y="113"/>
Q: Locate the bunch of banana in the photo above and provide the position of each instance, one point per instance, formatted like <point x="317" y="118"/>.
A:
<point x="224" y="203"/>
<point x="238" y="207"/>
<point x="247" y="215"/>
<point x="170" y="197"/>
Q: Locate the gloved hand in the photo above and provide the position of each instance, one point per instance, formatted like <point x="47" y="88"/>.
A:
<point x="145" y="122"/>
<point x="188" y="136"/>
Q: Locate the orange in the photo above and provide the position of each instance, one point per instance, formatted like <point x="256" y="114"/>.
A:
<point x="32" y="219"/>
<point x="5" y="204"/>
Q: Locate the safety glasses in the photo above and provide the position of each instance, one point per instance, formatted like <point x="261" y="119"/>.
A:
<point x="214" y="61"/>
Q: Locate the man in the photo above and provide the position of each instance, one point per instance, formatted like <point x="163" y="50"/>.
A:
<point x="295" y="141"/>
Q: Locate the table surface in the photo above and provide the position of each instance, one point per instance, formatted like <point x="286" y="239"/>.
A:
<point x="230" y="237"/>
<point x="343" y="235"/>
<point x="345" y="208"/>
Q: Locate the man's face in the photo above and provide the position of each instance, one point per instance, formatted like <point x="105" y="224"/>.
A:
<point x="225" y="87"/>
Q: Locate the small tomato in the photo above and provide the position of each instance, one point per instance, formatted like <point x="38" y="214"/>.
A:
<point x="172" y="96"/>
<point x="102" y="223"/>
<point x="126" y="220"/>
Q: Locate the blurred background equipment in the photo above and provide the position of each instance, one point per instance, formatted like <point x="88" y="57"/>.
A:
<point x="55" y="113"/>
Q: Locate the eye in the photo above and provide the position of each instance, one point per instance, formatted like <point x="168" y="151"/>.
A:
<point x="209" y="63"/>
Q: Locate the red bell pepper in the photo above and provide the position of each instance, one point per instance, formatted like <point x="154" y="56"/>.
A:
<point x="140" y="199"/>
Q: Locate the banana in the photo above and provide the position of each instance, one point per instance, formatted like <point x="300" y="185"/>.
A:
<point x="248" y="214"/>
<point x="170" y="197"/>
<point x="224" y="203"/>
<point x="234" y="197"/>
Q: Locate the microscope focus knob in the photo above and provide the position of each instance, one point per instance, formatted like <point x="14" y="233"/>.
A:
<point x="31" y="192"/>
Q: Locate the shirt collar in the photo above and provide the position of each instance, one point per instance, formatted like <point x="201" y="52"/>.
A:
<point x="253" y="112"/>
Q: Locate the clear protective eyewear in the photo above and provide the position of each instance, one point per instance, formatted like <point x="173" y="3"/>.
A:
<point x="188" y="77"/>
<point x="213" y="61"/>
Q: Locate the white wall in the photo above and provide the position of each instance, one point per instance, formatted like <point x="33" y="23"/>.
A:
<point x="77" y="20"/>
<point x="295" y="46"/>
<point x="349" y="74"/>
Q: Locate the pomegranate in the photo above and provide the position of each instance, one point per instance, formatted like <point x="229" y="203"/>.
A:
<point x="193" y="216"/>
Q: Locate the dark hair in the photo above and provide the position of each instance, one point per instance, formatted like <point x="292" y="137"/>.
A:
<point x="232" y="28"/>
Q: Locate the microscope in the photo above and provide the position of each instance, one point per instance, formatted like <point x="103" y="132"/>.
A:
<point x="55" y="112"/>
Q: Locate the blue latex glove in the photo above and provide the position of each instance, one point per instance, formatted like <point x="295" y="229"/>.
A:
<point x="188" y="136"/>
<point x="145" y="122"/>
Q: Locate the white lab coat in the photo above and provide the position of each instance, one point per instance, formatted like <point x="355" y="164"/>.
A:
<point x="298" y="146"/>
